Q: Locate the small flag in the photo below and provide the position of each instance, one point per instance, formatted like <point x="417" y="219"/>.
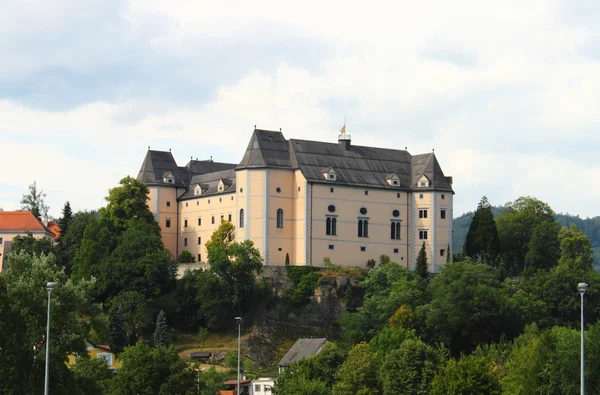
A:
<point x="343" y="129"/>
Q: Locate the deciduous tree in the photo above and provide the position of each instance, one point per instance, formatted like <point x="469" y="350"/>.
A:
<point x="34" y="201"/>
<point x="359" y="374"/>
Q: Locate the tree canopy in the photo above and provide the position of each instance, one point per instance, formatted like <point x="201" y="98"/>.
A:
<point x="35" y="201"/>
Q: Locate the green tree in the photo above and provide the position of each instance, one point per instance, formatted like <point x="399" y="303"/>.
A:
<point x="483" y="243"/>
<point x="543" y="249"/>
<point x="576" y="250"/>
<point x="359" y="373"/>
<point x="515" y="229"/>
<point x="422" y="265"/>
<point x="23" y="324"/>
<point x="287" y="259"/>
<point x="211" y="381"/>
<point x="70" y="239"/>
<point x="137" y="313"/>
<point x="118" y="334"/>
<point x="161" y="331"/>
<point x="186" y="257"/>
<point x="34" y="201"/>
<point x="92" y="376"/>
<point x="390" y="339"/>
<point x="128" y="201"/>
<point x="410" y="369"/>
<point x="470" y="375"/>
<point x="469" y="307"/>
<point x="203" y="335"/>
<point x="448" y="255"/>
<point x="153" y="371"/>
<point x="30" y="244"/>
<point x="371" y="263"/>
<point x="65" y="220"/>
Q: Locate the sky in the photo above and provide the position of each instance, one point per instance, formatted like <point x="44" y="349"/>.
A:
<point x="506" y="92"/>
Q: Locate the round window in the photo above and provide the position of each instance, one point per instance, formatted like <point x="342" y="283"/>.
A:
<point x="331" y="208"/>
<point x="396" y="213"/>
<point x="278" y="190"/>
<point x="363" y="210"/>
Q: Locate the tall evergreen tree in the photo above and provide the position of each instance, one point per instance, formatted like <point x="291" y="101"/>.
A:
<point x="34" y="201"/>
<point x="118" y="334"/>
<point x="482" y="242"/>
<point x="65" y="220"/>
<point x="422" y="266"/>
<point x="161" y="331"/>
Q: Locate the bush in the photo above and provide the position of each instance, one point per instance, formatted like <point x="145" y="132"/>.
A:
<point x="186" y="257"/>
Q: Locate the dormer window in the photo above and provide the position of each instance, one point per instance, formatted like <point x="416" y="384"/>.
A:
<point x="221" y="186"/>
<point x="197" y="190"/>
<point x="330" y="174"/>
<point x="423" y="182"/>
<point x="168" y="178"/>
<point x="393" y="180"/>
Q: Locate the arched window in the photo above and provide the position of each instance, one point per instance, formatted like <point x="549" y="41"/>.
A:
<point x="363" y="228"/>
<point x="395" y="230"/>
<point x="241" y="218"/>
<point x="330" y="227"/>
<point x="279" y="218"/>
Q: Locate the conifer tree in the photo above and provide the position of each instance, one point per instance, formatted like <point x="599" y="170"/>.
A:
<point x="34" y="201"/>
<point x="161" y="331"/>
<point x="422" y="266"/>
<point x="483" y="243"/>
<point x="118" y="335"/>
<point x="65" y="220"/>
<point x="287" y="259"/>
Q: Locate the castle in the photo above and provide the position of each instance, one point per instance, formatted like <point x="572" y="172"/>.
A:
<point x="307" y="200"/>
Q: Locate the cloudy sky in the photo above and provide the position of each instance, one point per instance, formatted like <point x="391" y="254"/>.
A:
<point x="507" y="92"/>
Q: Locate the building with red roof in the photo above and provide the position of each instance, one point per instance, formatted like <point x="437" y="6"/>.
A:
<point x="20" y="223"/>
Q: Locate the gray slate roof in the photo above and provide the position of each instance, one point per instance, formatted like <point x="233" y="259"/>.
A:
<point x="266" y="149"/>
<point x="210" y="183"/>
<point x="301" y="349"/>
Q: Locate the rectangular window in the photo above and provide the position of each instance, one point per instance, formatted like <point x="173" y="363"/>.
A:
<point x="331" y="226"/>
<point x="229" y="217"/>
<point x="331" y="190"/>
<point x="199" y="221"/>
<point x="199" y="240"/>
<point x="423" y="213"/>
<point x="363" y="248"/>
<point x="420" y="196"/>
<point x="232" y="198"/>
<point x="256" y="388"/>
<point x="331" y="176"/>
<point x="398" y="195"/>
<point x="366" y="193"/>
<point x="185" y="242"/>
<point x="212" y="219"/>
<point x="422" y="235"/>
<point x="443" y="213"/>
<point x="0" y="240"/>
<point x="331" y="246"/>
<point x="298" y="189"/>
<point x="208" y="201"/>
<point x="168" y="204"/>
<point x="197" y="203"/>
<point x="168" y="223"/>
<point x="185" y="223"/>
<point x="186" y="204"/>
<point x="280" y="249"/>
<point x="442" y="252"/>
<point x="199" y="256"/>
<point x="220" y="200"/>
<point x="222" y="216"/>
<point x="395" y="230"/>
<point x="443" y="196"/>
<point x="395" y="250"/>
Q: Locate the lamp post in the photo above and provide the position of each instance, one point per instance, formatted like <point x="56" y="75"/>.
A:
<point x="239" y="322"/>
<point x="49" y="288"/>
<point x="582" y="287"/>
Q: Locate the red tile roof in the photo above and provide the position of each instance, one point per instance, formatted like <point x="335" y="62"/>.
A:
<point x="54" y="228"/>
<point x="20" y="221"/>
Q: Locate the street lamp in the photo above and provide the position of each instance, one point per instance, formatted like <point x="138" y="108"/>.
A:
<point x="582" y="287"/>
<point x="239" y="322"/>
<point x="49" y="288"/>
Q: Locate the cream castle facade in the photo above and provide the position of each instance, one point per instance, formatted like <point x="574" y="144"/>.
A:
<point x="307" y="199"/>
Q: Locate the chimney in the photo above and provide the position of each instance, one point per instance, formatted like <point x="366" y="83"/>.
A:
<point x="344" y="141"/>
<point x="45" y="220"/>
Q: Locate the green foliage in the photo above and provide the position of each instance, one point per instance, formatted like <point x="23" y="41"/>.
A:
<point x="203" y="335"/>
<point x="23" y="317"/>
<point x="161" y="331"/>
<point x="371" y="263"/>
<point x="70" y="239"/>
<point x="422" y="265"/>
<point x="304" y="281"/>
<point x="389" y="339"/>
<point x="315" y="374"/>
<point x="126" y="202"/>
<point x="403" y="317"/>
<point x="516" y="227"/>
<point x="469" y="307"/>
<point x="92" y="376"/>
<point x="118" y="334"/>
<point x="65" y="220"/>
<point x="34" y="201"/>
<point x="384" y="260"/>
<point x="32" y="245"/>
<point x="136" y="312"/>
<point x="482" y="243"/>
<point x="359" y="373"/>
<point x="410" y="369"/>
<point x="231" y="360"/>
<point x="576" y="249"/>
<point x="211" y="381"/>
<point x="186" y="257"/>
<point x="544" y="249"/>
<point x="287" y="259"/>
<point x="386" y="289"/>
<point x="468" y="375"/>
<point x="153" y="371"/>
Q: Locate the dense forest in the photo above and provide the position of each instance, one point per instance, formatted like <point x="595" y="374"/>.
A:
<point x="589" y="226"/>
